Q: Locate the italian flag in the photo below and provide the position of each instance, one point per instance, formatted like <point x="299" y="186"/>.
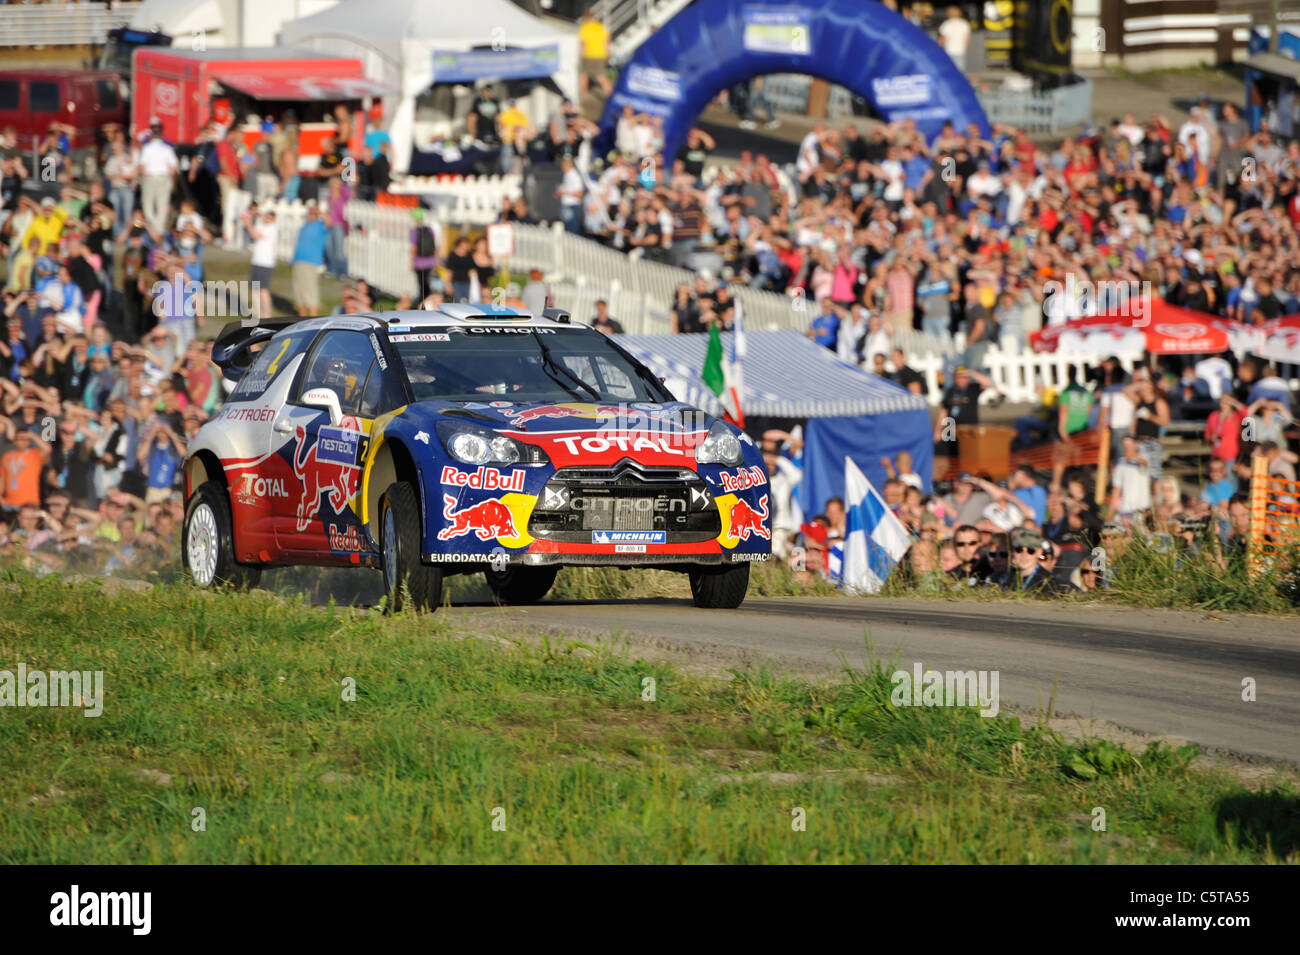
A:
<point x="725" y="377"/>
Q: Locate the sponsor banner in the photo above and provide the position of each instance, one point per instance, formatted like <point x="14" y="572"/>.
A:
<point x="743" y="479"/>
<point x="467" y="66"/>
<point x="599" y="448"/>
<point x="421" y="337"/>
<point x="912" y="89"/>
<point x="248" y="414"/>
<point x="654" y="82"/>
<point x="777" y="30"/>
<point x="629" y="548"/>
<point x="620" y="537"/>
<point x="484" y="479"/>
<point x="338" y="446"/>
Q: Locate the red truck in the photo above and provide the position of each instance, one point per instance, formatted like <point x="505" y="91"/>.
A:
<point x="185" y="88"/>
<point x="80" y="101"/>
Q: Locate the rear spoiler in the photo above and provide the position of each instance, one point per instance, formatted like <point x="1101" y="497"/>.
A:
<point x="230" y="351"/>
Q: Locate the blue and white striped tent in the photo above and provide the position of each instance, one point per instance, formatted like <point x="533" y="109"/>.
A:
<point x="787" y="375"/>
<point x="850" y="412"/>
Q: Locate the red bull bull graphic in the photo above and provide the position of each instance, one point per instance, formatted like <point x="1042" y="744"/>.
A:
<point x="746" y="520"/>
<point x="327" y="466"/>
<point x="524" y="415"/>
<point x="486" y="520"/>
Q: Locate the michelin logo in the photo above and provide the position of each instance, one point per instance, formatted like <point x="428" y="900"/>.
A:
<point x="629" y="537"/>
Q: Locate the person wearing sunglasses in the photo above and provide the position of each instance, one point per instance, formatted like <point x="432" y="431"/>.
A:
<point x="1027" y="571"/>
<point x="973" y="566"/>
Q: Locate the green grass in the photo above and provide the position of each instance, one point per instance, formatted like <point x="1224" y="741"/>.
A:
<point x="238" y="700"/>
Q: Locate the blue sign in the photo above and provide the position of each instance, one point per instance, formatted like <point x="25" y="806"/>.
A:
<point x="510" y="63"/>
<point x="629" y="537"/>
<point x="338" y="446"/>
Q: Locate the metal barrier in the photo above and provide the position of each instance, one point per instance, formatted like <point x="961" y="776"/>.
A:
<point x="61" y="24"/>
<point x="1049" y="111"/>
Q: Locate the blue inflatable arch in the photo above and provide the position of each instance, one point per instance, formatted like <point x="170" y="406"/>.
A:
<point x="858" y="44"/>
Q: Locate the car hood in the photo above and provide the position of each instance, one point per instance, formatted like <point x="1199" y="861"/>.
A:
<point x="536" y="417"/>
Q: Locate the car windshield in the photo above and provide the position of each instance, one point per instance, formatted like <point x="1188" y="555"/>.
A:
<point x="466" y="363"/>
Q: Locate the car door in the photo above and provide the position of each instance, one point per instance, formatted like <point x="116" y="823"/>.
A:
<point x="318" y="520"/>
<point x="256" y="475"/>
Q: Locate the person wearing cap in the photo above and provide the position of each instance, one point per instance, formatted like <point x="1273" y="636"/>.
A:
<point x="961" y="401"/>
<point x="47" y="223"/>
<point x="158" y="168"/>
<point x="1027" y="572"/>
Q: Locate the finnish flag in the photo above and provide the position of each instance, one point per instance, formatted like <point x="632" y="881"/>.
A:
<point x="875" y="540"/>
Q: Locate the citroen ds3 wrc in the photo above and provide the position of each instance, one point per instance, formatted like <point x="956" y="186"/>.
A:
<point x="466" y="439"/>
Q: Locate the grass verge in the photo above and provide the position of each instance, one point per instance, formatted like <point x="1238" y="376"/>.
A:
<point x="235" y="704"/>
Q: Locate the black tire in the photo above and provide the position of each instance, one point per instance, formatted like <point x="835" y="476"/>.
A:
<point x="401" y="562"/>
<point x="521" y="585"/>
<point x="208" y="527"/>
<point x="720" y="589"/>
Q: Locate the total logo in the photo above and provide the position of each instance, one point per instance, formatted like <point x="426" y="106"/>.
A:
<point x="484" y="479"/>
<point x="345" y="538"/>
<point x="743" y="479"/>
<point x="252" y="487"/>
<point x="624" y="442"/>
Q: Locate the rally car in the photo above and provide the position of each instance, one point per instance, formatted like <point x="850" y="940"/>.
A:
<point x="464" y="439"/>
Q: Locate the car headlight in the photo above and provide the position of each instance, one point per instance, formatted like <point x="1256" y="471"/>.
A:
<point x="475" y="446"/>
<point x="720" y="447"/>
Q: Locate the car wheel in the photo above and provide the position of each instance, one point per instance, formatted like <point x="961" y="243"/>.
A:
<point x="208" y="542"/>
<point x="721" y="589"/>
<point x="521" y="585"/>
<point x="399" y="546"/>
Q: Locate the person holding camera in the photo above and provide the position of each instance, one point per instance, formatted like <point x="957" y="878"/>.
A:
<point x="160" y="455"/>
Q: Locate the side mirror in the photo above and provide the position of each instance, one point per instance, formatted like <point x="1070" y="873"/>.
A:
<point x="324" y="398"/>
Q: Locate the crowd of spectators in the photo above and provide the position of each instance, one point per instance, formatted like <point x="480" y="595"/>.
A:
<point x="103" y="378"/>
<point x="1054" y="533"/>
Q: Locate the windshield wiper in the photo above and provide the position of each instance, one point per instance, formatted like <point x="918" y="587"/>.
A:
<point x="551" y="365"/>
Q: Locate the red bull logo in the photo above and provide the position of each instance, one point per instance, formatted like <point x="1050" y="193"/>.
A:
<point x="486" y="519"/>
<point x="563" y="411"/>
<point x="317" y="477"/>
<point x="745" y="520"/>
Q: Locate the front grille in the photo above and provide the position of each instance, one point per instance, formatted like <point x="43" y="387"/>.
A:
<point x="626" y="497"/>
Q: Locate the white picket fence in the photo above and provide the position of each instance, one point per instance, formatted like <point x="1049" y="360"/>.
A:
<point x="1016" y="371"/>
<point x="473" y="200"/>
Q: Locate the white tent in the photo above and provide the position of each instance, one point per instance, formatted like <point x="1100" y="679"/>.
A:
<point x="395" y="39"/>
<point x="221" y="23"/>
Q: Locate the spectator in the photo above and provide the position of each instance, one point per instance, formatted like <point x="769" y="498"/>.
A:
<point x="424" y="254"/>
<point x="572" y="189"/>
<point x="595" y="54"/>
<point x="309" y="262"/>
<point x="265" y="233"/>
<point x="955" y="33"/>
<point x="460" y="264"/>
<point x="602" y="322"/>
<point x="1131" y="481"/>
<point x="158" y="168"/>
